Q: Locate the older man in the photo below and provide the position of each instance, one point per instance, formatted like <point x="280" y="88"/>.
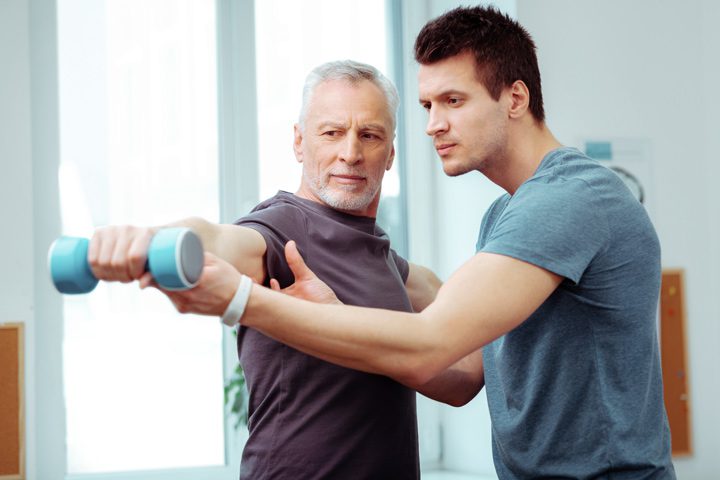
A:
<point x="308" y="418"/>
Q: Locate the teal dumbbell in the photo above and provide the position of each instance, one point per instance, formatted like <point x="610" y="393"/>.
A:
<point x="175" y="260"/>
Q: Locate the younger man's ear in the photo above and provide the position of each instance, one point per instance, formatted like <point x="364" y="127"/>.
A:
<point x="519" y="99"/>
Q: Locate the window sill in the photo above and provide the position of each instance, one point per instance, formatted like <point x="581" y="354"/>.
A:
<point x="449" y="475"/>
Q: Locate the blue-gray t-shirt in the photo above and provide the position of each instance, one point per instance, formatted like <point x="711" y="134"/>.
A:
<point x="575" y="391"/>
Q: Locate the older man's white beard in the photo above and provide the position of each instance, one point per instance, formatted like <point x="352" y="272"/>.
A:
<point x="350" y="200"/>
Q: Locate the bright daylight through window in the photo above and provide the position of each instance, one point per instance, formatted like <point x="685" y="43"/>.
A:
<point x="291" y="40"/>
<point x="138" y="103"/>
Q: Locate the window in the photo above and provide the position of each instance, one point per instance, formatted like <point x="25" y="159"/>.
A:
<point x="138" y="107"/>
<point x="291" y="39"/>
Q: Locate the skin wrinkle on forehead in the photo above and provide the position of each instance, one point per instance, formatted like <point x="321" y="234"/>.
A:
<point x="351" y="83"/>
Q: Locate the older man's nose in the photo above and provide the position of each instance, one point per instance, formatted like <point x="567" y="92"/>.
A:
<point x="351" y="152"/>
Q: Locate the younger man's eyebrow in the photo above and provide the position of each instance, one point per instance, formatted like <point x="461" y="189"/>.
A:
<point x="445" y="93"/>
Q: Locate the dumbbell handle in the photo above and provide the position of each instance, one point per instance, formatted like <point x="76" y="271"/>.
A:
<point x="175" y="260"/>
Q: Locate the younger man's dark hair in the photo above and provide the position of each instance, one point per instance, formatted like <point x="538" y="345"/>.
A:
<point x="504" y="51"/>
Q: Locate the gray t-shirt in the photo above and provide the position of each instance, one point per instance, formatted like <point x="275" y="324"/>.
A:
<point x="576" y="390"/>
<point x="309" y="419"/>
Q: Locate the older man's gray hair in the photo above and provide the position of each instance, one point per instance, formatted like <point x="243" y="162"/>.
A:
<point x="353" y="72"/>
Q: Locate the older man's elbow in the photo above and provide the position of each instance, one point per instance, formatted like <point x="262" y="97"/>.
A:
<point x="418" y="369"/>
<point x="462" y="397"/>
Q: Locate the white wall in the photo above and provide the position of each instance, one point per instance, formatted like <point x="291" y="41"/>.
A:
<point x="15" y="164"/>
<point x="16" y="247"/>
<point x="649" y="70"/>
<point x="28" y="151"/>
<point x="46" y="408"/>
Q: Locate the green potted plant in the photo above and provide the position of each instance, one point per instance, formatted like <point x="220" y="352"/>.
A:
<point x="236" y="395"/>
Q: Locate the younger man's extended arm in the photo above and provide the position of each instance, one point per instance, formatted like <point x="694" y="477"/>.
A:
<point x="486" y="298"/>
<point x="456" y="385"/>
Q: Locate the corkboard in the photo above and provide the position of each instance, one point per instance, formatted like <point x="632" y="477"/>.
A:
<point x="12" y="418"/>
<point x="673" y="349"/>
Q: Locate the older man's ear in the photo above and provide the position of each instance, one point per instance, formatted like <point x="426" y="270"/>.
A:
<point x="297" y="143"/>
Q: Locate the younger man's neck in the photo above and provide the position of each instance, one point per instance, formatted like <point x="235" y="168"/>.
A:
<point x="526" y="149"/>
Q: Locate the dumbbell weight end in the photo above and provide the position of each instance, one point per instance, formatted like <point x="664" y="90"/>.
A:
<point x="175" y="260"/>
<point x="68" y="265"/>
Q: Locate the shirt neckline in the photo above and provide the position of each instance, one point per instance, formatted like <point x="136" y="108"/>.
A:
<point x="366" y="223"/>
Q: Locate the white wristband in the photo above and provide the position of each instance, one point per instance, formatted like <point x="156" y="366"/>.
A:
<point x="235" y="309"/>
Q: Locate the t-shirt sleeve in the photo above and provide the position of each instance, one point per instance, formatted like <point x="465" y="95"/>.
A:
<point x="559" y="226"/>
<point x="278" y="224"/>
<point x="402" y="265"/>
